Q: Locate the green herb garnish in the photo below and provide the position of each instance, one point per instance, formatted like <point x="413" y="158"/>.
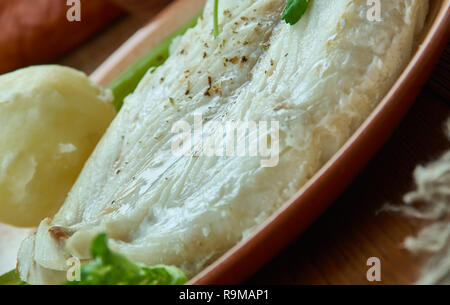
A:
<point x="11" y="278"/>
<point x="216" y="18"/>
<point x="112" y="268"/>
<point x="294" y="10"/>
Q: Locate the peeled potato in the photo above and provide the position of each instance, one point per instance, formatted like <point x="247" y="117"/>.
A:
<point x="51" y="119"/>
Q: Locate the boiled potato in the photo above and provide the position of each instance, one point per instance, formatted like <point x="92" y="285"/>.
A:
<point x="51" y="118"/>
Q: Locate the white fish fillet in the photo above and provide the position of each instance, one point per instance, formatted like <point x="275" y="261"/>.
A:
<point x="320" y="79"/>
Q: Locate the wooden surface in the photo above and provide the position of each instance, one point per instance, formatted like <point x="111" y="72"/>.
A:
<point x="336" y="248"/>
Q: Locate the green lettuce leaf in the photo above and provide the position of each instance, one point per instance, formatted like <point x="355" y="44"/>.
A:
<point x="11" y="278"/>
<point x="112" y="268"/>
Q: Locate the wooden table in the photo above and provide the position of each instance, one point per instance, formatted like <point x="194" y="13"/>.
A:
<point x="336" y="248"/>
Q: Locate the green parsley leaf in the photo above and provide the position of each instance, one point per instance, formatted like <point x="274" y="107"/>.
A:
<point x="294" y="11"/>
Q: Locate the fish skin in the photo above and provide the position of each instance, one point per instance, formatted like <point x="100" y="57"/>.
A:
<point x="319" y="78"/>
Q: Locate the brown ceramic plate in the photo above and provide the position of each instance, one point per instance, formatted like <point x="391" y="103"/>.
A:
<point x="318" y="194"/>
